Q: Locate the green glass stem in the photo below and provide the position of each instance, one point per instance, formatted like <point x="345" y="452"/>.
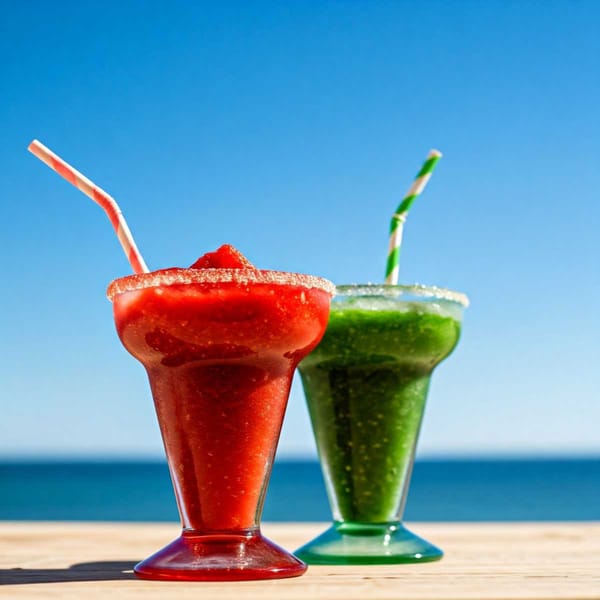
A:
<point x="367" y="543"/>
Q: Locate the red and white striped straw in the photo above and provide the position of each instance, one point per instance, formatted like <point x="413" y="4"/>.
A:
<point x="91" y="190"/>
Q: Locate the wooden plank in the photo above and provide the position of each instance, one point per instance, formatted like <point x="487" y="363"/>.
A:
<point x="483" y="561"/>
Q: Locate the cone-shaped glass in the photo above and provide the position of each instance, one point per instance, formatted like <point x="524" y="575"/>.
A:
<point x="366" y="385"/>
<point x="220" y="350"/>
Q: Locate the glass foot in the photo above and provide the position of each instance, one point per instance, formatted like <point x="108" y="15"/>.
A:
<point x="368" y="544"/>
<point x="220" y="557"/>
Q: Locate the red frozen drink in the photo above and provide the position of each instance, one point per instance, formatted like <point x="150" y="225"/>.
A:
<point x="220" y="342"/>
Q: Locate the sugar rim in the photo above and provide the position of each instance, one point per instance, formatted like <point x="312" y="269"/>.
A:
<point x="395" y="291"/>
<point x="176" y="276"/>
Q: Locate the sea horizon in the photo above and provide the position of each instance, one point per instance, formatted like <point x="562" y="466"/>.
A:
<point x="470" y="488"/>
<point x="124" y="457"/>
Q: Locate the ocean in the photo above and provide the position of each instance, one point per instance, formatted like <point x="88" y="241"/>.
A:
<point x="441" y="490"/>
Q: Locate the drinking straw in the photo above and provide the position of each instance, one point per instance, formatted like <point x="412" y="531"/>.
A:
<point x="98" y="195"/>
<point x="399" y="217"/>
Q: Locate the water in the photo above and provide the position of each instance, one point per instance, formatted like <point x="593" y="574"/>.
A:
<point x="453" y="490"/>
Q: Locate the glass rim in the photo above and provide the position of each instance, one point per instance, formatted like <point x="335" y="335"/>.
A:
<point x="397" y="291"/>
<point x="179" y="276"/>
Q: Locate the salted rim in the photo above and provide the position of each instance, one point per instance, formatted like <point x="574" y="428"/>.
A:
<point x="241" y="276"/>
<point x="394" y="291"/>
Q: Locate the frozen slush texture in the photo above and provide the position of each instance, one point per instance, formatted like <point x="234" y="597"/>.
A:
<point x="220" y="344"/>
<point x="366" y="385"/>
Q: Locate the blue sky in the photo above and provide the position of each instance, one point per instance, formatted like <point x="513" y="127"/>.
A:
<point x="292" y="130"/>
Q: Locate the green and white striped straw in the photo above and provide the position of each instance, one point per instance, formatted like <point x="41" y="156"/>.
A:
<point x="399" y="217"/>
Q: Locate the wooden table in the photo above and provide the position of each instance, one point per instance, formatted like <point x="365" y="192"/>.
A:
<point x="483" y="561"/>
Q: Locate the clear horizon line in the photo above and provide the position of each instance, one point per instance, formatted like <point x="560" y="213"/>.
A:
<point x="293" y="457"/>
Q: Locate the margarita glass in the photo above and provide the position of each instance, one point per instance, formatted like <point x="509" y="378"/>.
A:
<point x="366" y="384"/>
<point x="220" y="346"/>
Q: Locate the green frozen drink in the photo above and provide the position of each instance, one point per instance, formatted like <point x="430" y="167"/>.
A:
<point x="366" y="384"/>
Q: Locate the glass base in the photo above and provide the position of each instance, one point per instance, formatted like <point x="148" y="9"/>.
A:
<point x="368" y="544"/>
<point x="220" y="557"/>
